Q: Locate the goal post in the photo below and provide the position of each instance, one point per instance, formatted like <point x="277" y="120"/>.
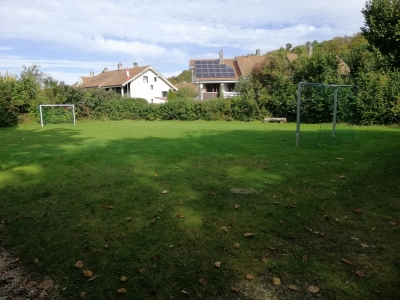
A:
<point x="55" y="105"/>
<point x="336" y="88"/>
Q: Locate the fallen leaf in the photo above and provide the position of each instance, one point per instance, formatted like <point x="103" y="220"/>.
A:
<point x="128" y="219"/>
<point x="152" y="221"/>
<point x="181" y="203"/>
<point x="42" y="294"/>
<point x="236" y="245"/>
<point x="121" y="291"/>
<point x="309" y="229"/>
<point x="293" y="287"/>
<point x="183" y="291"/>
<point x="91" y="278"/>
<point x="82" y="294"/>
<point x="217" y="264"/>
<point x="264" y="259"/>
<point x="164" y="191"/>
<point x="106" y="246"/>
<point x="322" y="233"/>
<point x="107" y="206"/>
<point x="29" y="285"/>
<point x="272" y="248"/>
<point x="336" y="219"/>
<point x="339" y="158"/>
<point x="276" y="281"/>
<point x="123" y="278"/>
<point x="342" y="177"/>
<point x="235" y="289"/>
<point x="213" y="193"/>
<point x="79" y="264"/>
<point x="346" y="261"/>
<point x="249" y="277"/>
<point x="237" y="206"/>
<point x="248" y="234"/>
<point x="180" y="216"/>
<point x="360" y="274"/>
<point x="313" y="289"/>
<point x="357" y="210"/>
<point x="203" y="281"/>
<point x="16" y="260"/>
<point x="305" y="257"/>
<point x="142" y="270"/>
<point x="46" y="284"/>
<point x="364" y="245"/>
<point x="392" y="223"/>
<point x="87" y="273"/>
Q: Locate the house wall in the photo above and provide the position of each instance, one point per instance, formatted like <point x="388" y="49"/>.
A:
<point x="141" y="89"/>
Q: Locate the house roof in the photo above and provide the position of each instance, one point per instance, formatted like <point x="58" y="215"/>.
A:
<point x="115" y="78"/>
<point x="247" y="63"/>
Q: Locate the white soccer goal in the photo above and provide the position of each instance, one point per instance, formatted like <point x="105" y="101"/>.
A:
<point x="352" y="89"/>
<point x="53" y="105"/>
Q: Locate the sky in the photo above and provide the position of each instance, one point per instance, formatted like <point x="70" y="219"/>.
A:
<point x="71" y="38"/>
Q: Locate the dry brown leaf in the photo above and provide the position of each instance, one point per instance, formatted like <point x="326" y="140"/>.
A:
<point x="342" y="177"/>
<point x="392" y="223"/>
<point x="293" y="287"/>
<point x="360" y="274"/>
<point x="121" y="291"/>
<point x="107" y="206"/>
<point x="202" y="281"/>
<point x="236" y="245"/>
<point x="123" y="278"/>
<point x="357" y="210"/>
<point x="181" y="203"/>
<point x="46" y="284"/>
<point x="164" y="191"/>
<point x="128" y="219"/>
<point x="313" y="289"/>
<point x="152" y="221"/>
<point x="305" y="257"/>
<point x="180" y="216"/>
<point x="276" y="281"/>
<point x="364" y="245"/>
<point x="322" y="233"/>
<point x="142" y="270"/>
<point x="91" y="278"/>
<point x="248" y="234"/>
<point x="29" y="285"/>
<point x="346" y="261"/>
<point x="336" y="219"/>
<point x="235" y="289"/>
<point x="79" y="264"/>
<point x="42" y="294"/>
<point x="249" y="277"/>
<point x="309" y="229"/>
<point x="217" y="264"/>
<point x="87" y="273"/>
<point x="264" y="259"/>
<point x="213" y="193"/>
<point x="82" y="294"/>
<point x="237" y="206"/>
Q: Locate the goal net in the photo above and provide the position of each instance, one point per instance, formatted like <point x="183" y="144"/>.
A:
<point x="324" y="114"/>
<point x="57" y="113"/>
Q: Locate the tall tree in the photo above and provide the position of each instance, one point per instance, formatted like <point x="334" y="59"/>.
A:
<point x="382" y="28"/>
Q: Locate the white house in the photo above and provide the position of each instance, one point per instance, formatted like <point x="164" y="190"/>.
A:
<point x="137" y="82"/>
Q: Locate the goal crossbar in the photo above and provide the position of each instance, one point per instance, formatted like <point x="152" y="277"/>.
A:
<point x="67" y="105"/>
<point x="336" y="88"/>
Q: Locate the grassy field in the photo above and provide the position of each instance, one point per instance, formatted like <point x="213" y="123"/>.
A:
<point x="152" y="201"/>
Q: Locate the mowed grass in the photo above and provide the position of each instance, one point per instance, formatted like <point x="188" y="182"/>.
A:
<point x="57" y="182"/>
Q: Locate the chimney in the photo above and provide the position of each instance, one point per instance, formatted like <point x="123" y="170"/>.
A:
<point x="119" y="67"/>
<point x="258" y="52"/>
<point x="310" y="49"/>
<point x="221" y="56"/>
<point x="105" y="70"/>
<point x="91" y="73"/>
<point x="135" y="64"/>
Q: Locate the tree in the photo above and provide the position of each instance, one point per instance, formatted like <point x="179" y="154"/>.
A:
<point x="185" y="92"/>
<point x="171" y="96"/>
<point x="288" y="46"/>
<point x="185" y="76"/>
<point x="382" y="28"/>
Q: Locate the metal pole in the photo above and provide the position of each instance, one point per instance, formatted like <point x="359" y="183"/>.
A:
<point x="41" y="115"/>
<point x="298" y="114"/>
<point x="335" y="101"/>
<point x="73" y="112"/>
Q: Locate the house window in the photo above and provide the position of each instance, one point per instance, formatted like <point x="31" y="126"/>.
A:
<point x="151" y="87"/>
<point x="164" y="94"/>
<point x="155" y="79"/>
<point x="145" y="79"/>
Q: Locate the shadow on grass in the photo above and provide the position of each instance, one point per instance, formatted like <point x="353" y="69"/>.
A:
<point x="56" y="185"/>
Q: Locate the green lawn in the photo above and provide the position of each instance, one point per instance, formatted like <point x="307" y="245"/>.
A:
<point x="58" y="183"/>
